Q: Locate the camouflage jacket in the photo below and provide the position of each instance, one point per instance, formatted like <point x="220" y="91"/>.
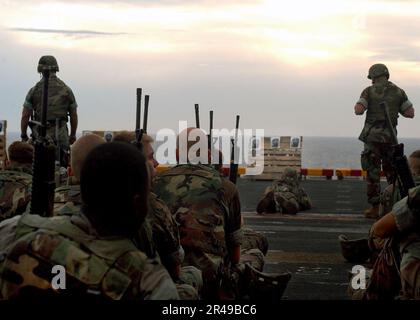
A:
<point x="205" y="205"/>
<point x="165" y="232"/>
<point x="60" y="99"/>
<point x="158" y="234"/>
<point x="375" y="129"/>
<point x="15" y="191"/>
<point x="291" y="189"/>
<point x="67" y="200"/>
<point x="109" y="267"/>
<point x="389" y="197"/>
<point x="407" y="211"/>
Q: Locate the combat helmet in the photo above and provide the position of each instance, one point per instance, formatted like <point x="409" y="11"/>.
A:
<point x="289" y="176"/>
<point x="48" y="62"/>
<point x="377" y="70"/>
<point x="356" y="251"/>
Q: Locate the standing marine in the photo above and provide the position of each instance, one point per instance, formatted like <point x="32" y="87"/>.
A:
<point x="375" y="134"/>
<point x="61" y="106"/>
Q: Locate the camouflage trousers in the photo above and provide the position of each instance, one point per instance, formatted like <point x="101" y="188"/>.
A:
<point x="62" y="141"/>
<point x="190" y="283"/>
<point x="286" y="202"/>
<point x="410" y="271"/>
<point x="253" y="249"/>
<point x="214" y="272"/>
<point x="376" y="156"/>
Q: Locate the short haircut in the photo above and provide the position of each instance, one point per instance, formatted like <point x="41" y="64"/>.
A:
<point x="80" y="149"/>
<point x="415" y="154"/>
<point x="130" y="136"/>
<point x="415" y="162"/>
<point x="112" y="175"/>
<point x="21" y="152"/>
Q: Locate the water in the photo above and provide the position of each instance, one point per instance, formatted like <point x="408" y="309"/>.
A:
<point x="321" y="152"/>
<point x="332" y="152"/>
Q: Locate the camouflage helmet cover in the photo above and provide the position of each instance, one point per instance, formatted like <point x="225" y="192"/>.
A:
<point x="377" y="70"/>
<point x="48" y="62"/>
<point x="354" y="250"/>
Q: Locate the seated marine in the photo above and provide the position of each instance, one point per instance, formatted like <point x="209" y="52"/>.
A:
<point x="16" y="180"/>
<point x="95" y="247"/>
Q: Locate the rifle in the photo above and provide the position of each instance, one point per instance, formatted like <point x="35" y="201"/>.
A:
<point x="233" y="171"/>
<point x="43" y="179"/>
<point x="146" y="111"/>
<point x="402" y="170"/>
<point x="210" y="136"/>
<point x="197" y="116"/>
<point x="141" y="131"/>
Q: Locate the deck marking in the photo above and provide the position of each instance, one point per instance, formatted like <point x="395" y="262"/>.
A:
<point x="280" y="256"/>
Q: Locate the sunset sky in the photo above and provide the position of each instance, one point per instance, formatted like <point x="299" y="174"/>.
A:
<point x="289" y="67"/>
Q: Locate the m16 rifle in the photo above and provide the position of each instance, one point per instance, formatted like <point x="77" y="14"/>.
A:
<point x="233" y="171"/>
<point x="210" y="136"/>
<point x="402" y="172"/>
<point x="43" y="179"/>
<point x="140" y="131"/>
<point x="197" y="116"/>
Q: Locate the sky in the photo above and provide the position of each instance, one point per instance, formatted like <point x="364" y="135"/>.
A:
<point x="288" y="67"/>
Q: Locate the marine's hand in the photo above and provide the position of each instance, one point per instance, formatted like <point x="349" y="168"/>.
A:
<point x="72" y="139"/>
<point x="24" y="137"/>
<point x="409" y="113"/>
<point x="359" y="109"/>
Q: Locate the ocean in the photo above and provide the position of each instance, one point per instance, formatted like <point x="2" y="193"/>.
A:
<point x="322" y="152"/>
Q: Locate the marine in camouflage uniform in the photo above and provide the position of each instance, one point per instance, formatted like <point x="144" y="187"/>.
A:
<point x="405" y="237"/>
<point x="375" y="134"/>
<point x="207" y="210"/>
<point x="16" y="181"/>
<point x="403" y="222"/>
<point x="159" y="235"/>
<point x="389" y="197"/>
<point x="99" y="257"/>
<point x="61" y="105"/>
<point x="285" y="195"/>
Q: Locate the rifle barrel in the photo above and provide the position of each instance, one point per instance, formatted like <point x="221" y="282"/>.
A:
<point x="138" y="108"/>
<point x="146" y="112"/>
<point x="43" y="129"/>
<point x="197" y="116"/>
<point x="211" y="130"/>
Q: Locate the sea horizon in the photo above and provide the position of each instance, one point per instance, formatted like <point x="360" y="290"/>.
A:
<point x="318" y="151"/>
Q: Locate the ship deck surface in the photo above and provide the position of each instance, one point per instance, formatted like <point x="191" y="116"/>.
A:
<point x="307" y="244"/>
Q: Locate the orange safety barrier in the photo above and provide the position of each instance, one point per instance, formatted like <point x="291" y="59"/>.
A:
<point x="339" y="172"/>
<point x="225" y="170"/>
<point x="317" y="172"/>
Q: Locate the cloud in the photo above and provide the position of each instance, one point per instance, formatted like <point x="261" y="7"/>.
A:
<point x="68" y="32"/>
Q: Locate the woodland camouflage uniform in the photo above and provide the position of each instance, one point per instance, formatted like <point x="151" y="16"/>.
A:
<point x="285" y="195"/>
<point x="109" y="267"/>
<point x="207" y="210"/>
<point x="158" y="235"/>
<point x="375" y="134"/>
<point x="15" y="190"/>
<point x="61" y="102"/>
